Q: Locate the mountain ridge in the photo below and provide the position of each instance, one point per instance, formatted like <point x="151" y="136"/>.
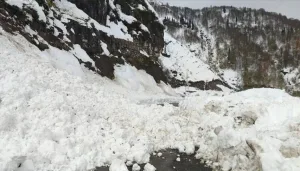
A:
<point x="259" y="46"/>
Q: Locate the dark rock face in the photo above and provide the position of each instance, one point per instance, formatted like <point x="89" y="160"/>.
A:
<point x="202" y="85"/>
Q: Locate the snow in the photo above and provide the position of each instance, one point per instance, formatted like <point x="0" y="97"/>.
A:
<point x="149" y="167"/>
<point x="104" y="48"/>
<point x="57" y="115"/>
<point x="232" y="78"/>
<point x="119" y="30"/>
<point x="225" y="14"/>
<point x="61" y="59"/>
<point x="143" y="27"/>
<point x="60" y="25"/>
<point x="187" y="65"/>
<point x="60" y="121"/>
<point x="133" y="79"/>
<point x="31" y="4"/>
<point x="136" y="167"/>
<point x="144" y="53"/>
<point x="118" y="165"/>
<point x="70" y="11"/>
<point x="81" y="54"/>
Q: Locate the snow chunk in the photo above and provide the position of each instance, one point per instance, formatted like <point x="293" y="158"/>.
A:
<point x="136" y="167"/>
<point x="149" y="167"/>
<point x="118" y="165"/>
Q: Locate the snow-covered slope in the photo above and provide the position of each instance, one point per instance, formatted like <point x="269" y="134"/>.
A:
<point x="246" y="47"/>
<point x="183" y="64"/>
<point x="184" y="67"/>
<point x="110" y="32"/>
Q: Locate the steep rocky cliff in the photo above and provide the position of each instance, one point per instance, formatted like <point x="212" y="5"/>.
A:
<point x="247" y="47"/>
<point x="110" y="31"/>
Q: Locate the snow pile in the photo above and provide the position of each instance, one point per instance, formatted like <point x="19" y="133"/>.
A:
<point x="186" y="64"/>
<point x="258" y="129"/>
<point x="51" y="119"/>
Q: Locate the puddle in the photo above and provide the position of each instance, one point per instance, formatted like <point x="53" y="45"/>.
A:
<point x="171" y="160"/>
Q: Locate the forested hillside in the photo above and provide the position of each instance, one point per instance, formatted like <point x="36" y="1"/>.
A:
<point x="262" y="48"/>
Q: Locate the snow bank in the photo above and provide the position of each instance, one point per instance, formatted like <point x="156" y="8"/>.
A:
<point x="51" y="119"/>
<point x="256" y="129"/>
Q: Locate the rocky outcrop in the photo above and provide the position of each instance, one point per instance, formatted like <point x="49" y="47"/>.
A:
<point x="110" y="31"/>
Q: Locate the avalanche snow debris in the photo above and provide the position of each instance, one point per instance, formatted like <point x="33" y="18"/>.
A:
<point x="54" y="119"/>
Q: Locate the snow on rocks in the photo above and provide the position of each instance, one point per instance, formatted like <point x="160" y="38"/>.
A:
<point x="31" y="4"/>
<point x="70" y="11"/>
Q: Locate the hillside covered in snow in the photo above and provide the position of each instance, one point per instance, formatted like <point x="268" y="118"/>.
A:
<point x="86" y="84"/>
<point x="101" y="35"/>
<point x="248" y="48"/>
